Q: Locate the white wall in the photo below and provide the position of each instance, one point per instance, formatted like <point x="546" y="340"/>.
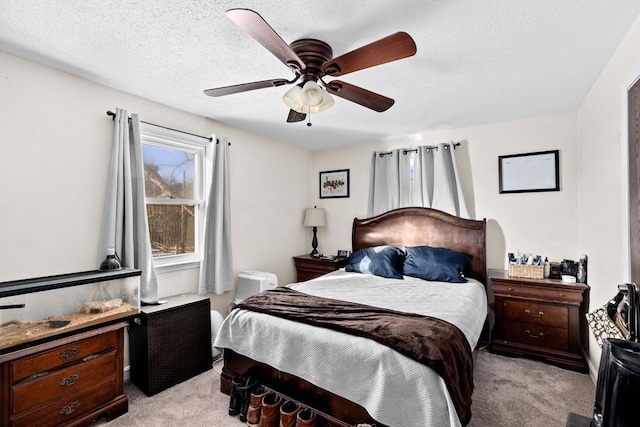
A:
<point x="55" y="139"/>
<point x="543" y="223"/>
<point x="603" y="215"/>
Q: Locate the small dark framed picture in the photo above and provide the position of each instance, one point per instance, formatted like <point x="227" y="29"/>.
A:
<point x="343" y="253"/>
<point x="529" y="172"/>
<point x="334" y="184"/>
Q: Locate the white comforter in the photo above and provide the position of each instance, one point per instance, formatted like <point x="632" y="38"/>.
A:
<point x="394" y="389"/>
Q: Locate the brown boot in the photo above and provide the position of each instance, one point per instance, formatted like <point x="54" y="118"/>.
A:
<point x="288" y="412"/>
<point x="306" y="418"/>
<point x="255" y="406"/>
<point x="270" y="414"/>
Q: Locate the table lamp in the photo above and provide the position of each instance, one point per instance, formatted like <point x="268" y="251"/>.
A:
<point x="314" y="218"/>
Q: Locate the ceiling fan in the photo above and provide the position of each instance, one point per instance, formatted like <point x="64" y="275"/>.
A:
<point x="312" y="61"/>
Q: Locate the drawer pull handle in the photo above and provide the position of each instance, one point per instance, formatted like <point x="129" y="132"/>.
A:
<point x="528" y="332"/>
<point x="510" y="289"/>
<point x="69" y="354"/>
<point x="70" y="407"/>
<point x="540" y="313"/>
<point x="70" y="380"/>
<point x="560" y="294"/>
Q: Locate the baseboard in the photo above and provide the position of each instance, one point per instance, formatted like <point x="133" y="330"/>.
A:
<point x="593" y="371"/>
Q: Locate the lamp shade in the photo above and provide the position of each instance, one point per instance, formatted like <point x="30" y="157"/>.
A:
<point x="311" y="94"/>
<point x="327" y="102"/>
<point x="309" y="98"/>
<point x="293" y="99"/>
<point x="314" y="218"/>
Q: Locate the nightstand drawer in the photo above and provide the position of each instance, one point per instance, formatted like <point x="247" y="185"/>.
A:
<point x="546" y="294"/>
<point x="308" y="267"/>
<point x="315" y="266"/>
<point x="539" y="314"/>
<point x="536" y="335"/>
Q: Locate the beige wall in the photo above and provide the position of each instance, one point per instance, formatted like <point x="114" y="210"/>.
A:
<point x="543" y="223"/>
<point x="55" y="139"/>
<point x="603" y="215"/>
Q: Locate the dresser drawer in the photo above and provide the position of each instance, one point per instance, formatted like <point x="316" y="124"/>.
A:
<point x="536" y="335"/>
<point x="62" y="383"/>
<point x="70" y="407"/>
<point x="539" y="314"/>
<point x="315" y="266"/>
<point x="546" y="294"/>
<point x="60" y="356"/>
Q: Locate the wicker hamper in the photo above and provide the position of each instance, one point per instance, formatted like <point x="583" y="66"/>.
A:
<point x="170" y="343"/>
<point x="526" y="271"/>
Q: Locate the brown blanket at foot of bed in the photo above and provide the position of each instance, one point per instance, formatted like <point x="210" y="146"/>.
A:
<point x="433" y="342"/>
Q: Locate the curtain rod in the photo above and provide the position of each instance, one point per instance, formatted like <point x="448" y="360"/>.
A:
<point x="113" y="117"/>
<point x="415" y="150"/>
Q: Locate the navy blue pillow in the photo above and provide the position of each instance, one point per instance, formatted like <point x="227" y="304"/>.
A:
<point x="385" y="261"/>
<point x="436" y="264"/>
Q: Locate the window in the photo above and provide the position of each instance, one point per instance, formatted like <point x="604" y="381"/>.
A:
<point x="174" y="186"/>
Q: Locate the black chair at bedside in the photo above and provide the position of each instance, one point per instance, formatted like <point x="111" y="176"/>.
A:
<point x="618" y="387"/>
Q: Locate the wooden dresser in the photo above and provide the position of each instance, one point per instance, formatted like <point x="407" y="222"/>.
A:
<point x="539" y="318"/>
<point x="308" y="267"/>
<point x="69" y="381"/>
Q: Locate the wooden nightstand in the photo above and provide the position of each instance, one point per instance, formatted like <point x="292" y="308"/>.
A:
<point x="539" y="318"/>
<point x="309" y="267"/>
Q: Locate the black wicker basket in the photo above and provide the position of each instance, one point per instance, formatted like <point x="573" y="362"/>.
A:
<point x="170" y="343"/>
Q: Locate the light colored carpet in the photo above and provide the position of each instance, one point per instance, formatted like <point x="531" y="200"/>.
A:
<point x="508" y="392"/>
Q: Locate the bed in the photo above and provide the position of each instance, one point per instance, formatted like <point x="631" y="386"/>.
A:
<point x="352" y="379"/>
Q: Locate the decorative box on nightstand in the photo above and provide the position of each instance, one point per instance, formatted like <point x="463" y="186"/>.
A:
<point x="539" y="318"/>
<point x="308" y="267"/>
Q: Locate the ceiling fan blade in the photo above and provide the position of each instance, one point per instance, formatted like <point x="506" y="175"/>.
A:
<point x="254" y="25"/>
<point x="244" y="87"/>
<point x="391" y="48"/>
<point x="359" y="95"/>
<point x="294" y="116"/>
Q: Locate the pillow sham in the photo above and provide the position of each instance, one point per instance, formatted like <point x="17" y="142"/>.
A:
<point x="384" y="261"/>
<point x="435" y="264"/>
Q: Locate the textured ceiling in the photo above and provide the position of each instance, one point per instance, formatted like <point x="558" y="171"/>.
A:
<point x="477" y="62"/>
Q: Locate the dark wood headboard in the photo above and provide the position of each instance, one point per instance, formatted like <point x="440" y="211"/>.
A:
<point x="426" y="227"/>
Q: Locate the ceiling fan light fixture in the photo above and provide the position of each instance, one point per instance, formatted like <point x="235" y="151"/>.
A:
<point x="293" y="99"/>
<point x="312" y="94"/>
<point x="327" y="102"/>
<point x="308" y="99"/>
<point x="311" y="60"/>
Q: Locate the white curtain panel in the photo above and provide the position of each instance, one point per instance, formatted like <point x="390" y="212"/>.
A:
<point x="384" y="187"/>
<point x="216" y="271"/>
<point x="440" y="181"/>
<point x="124" y="222"/>
<point x="426" y="176"/>
<point x="410" y="194"/>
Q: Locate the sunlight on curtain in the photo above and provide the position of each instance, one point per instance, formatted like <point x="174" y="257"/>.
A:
<point x="124" y="222"/>
<point x="216" y="270"/>
<point x="426" y="176"/>
<point x="384" y="189"/>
